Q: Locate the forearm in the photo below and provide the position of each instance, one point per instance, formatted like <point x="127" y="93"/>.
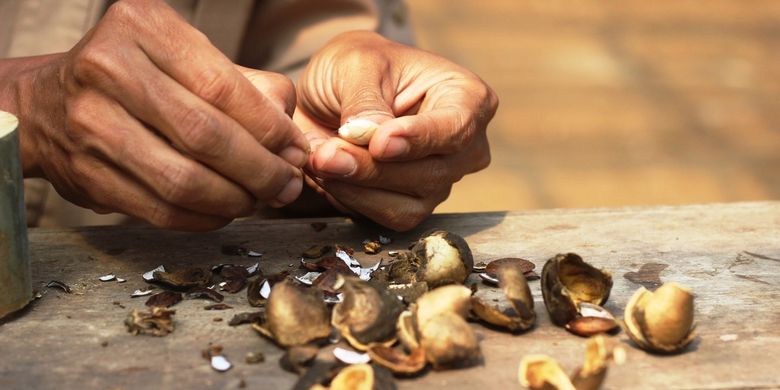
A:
<point x="29" y="89"/>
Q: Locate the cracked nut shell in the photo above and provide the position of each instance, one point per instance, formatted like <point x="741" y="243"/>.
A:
<point x="661" y="321"/>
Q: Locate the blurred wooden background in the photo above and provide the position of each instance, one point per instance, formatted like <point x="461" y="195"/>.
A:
<point x="608" y="103"/>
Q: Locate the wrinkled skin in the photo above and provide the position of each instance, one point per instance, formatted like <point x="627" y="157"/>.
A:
<point x="433" y="117"/>
<point x="145" y="117"/>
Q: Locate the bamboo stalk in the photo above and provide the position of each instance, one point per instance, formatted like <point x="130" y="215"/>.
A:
<point x="15" y="283"/>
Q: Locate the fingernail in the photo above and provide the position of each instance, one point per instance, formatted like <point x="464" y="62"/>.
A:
<point x="294" y="156"/>
<point x="340" y="163"/>
<point x="395" y="147"/>
<point x="289" y="193"/>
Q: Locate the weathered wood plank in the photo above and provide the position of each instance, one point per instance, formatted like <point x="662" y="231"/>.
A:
<point x="728" y="253"/>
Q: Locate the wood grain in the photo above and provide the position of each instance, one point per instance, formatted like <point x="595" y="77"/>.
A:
<point x="728" y="253"/>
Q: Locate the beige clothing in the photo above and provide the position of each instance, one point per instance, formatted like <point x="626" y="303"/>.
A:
<point x="274" y="35"/>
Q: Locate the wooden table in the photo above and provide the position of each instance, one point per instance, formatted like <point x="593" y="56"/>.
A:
<point x="728" y="253"/>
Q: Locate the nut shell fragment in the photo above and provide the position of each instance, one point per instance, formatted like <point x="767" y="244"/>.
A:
<point x="661" y="321"/>
<point x="367" y="314"/>
<point x="396" y="361"/>
<point x="294" y="316"/>
<point x="567" y="280"/>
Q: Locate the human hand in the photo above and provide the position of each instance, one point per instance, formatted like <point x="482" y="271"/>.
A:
<point x="432" y="113"/>
<point x="145" y="117"/>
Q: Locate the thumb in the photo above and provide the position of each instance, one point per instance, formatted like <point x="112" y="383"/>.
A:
<point x="275" y="86"/>
<point x="362" y="111"/>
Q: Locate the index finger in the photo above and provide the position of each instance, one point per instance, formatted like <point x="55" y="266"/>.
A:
<point x="188" y="57"/>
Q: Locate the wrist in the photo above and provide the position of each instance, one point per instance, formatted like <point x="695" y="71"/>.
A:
<point x="30" y="89"/>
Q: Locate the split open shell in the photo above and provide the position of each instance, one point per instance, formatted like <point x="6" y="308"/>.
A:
<point x="567" y="280"/>
<point x="443" y="257"/>
<point x="516" y="313"/>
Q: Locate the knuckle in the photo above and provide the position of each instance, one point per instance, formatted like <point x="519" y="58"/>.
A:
<point x="179" y="182"/>
<point x="162" y="216"/>
<point x="200" y="132"/>
<point x="215" y="86"/>
<point x="122" y="10"/>
<point x="94" y="63"/>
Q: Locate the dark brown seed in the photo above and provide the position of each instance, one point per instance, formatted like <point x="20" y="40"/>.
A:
<point x="233" y="286"/>
<point x="217" y="319"/>
<point x="164" y="299"/>
<point x="523" y="265"/>
<point x="589" y="326"/>
<point x="247" y="318"/>
<point x="204" y="293"/>
<point x="316" y="251"/>
<point x="218" y="306"/>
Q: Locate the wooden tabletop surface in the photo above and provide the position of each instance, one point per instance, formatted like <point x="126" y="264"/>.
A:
<point x="729" y="254"/>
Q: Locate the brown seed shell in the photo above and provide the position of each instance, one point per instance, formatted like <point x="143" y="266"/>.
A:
<point x="367" y="314"/>
<point x="295" y="316"/>
<point x="449" y="341"/>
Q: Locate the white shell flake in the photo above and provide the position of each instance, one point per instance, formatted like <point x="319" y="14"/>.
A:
<point x="308" y="278"/>
<point x="107" y="278"/>
<point x="140" y="293"/>
<point x="358" y="131"/>
<point x="149" y="276"/>
<point x="350" y="357"/>
<point x="354" y="265"/>
<point x="384" y="240"/>
<point x="265" y="289"/>
<point x="220" y="363"/>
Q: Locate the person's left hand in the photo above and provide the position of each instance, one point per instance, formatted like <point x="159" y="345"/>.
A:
<point x="433" y="115"/>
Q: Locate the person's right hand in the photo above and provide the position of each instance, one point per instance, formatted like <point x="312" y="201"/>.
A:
<point x="145" y="117"/>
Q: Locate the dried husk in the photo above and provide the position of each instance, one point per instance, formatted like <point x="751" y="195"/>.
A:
<point x="444" y="258"/>
<point x="396" y="361"/>
<point x="184" y="277"/>
<point x="567" y="280"/>
<point x="367" y="314"/>
<point x="164" y="299"/>
<point x="661" y="321"/>
<point x="518" y="313"/>
<point x="409" y="292"/>
<point x="158" y="321"/>
<point x="294" y="316"/>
